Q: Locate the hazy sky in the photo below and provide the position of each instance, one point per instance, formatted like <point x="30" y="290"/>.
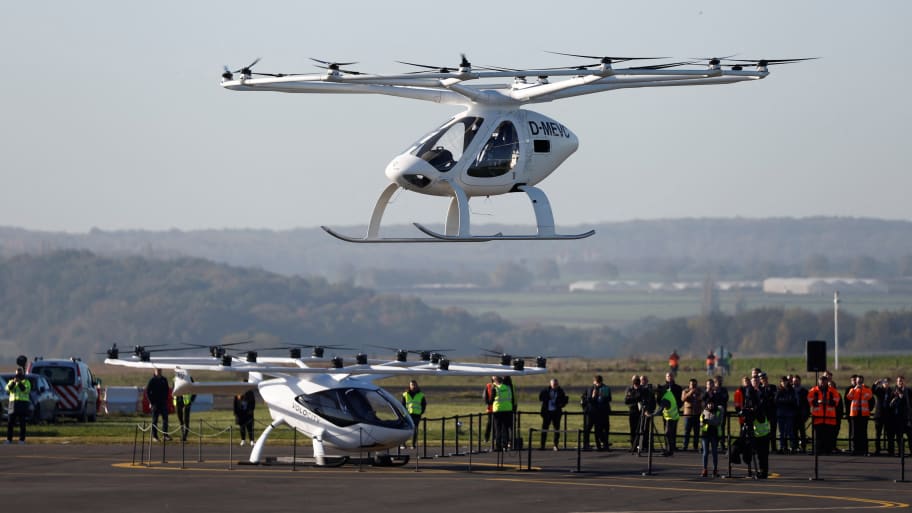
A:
<point x="113" y="116"/>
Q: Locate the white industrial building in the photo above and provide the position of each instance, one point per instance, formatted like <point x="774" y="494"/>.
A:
<point x="822" y="286"/>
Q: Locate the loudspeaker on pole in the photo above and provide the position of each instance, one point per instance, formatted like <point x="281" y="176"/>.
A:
<point x="816" y="355"/>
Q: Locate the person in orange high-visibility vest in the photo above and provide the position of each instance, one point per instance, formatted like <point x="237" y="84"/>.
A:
<point x="823" y="400"/>
<point x="860" y="397"/>
<point x="673" y="361"/>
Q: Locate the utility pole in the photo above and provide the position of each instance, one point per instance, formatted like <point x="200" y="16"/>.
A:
<point x="836" y="330"/>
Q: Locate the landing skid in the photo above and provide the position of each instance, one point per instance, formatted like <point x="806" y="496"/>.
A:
<point x="367" y="240"/>
<point x="457" y="221"/>
<point x="499" y="236"/>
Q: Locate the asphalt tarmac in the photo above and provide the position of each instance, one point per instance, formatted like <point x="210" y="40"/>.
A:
<point x="55" y="477"/>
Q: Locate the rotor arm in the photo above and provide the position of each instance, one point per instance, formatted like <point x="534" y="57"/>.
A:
<point x="635" y="84"/>
<point x="527" y="94"/>
<point x="283" y="85"/>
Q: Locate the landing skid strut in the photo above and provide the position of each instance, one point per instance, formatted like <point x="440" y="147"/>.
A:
<point x="457" y="222"/>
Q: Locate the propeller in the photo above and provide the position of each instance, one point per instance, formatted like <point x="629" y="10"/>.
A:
<point x="218" y="350"/>
<point x="143" y="352"/>
<point x="601" y="60"/>
<point x="336" y="66"/>
<point x="714" y="61"/>
<point x="665" y="66"/>
<point x="766" y="62"/>
<point x="464" y="64"/>
<point x="247" y="71"/>
<point x="294" y="351"/>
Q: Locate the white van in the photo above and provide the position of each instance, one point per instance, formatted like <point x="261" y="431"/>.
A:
<point x="74" y="383"/>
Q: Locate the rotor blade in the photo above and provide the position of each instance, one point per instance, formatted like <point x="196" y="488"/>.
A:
<point x="664" y="66"/>
<point x="331" y="64"/>
<point x="246" y="69"/>
<point x="348" y="71"/>
<point x="441" y="69"/>
<point x="774" y="61"/>
<point x="605" y="59"/>
<point x="724" y="57"/>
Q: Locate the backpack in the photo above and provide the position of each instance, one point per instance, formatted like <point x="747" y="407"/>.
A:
<point x="712" y="418"/>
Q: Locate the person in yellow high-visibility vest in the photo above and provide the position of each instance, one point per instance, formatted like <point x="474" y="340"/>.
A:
<point x="182" y="405"/>
<point x="668" y="408"/>
<point x="19" y="389"/>
<point x="503" y="414"/>
<point x="415" y="403"/>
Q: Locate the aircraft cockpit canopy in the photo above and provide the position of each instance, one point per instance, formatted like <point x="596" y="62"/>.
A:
<point x="444" y="147"/>
<point x="348" y="406"/>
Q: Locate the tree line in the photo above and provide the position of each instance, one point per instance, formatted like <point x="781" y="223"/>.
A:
<point x="76" y="303"/>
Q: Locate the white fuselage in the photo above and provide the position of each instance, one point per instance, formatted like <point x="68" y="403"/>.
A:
<point x="485" y="151"/>
<point x="349" y="415"/>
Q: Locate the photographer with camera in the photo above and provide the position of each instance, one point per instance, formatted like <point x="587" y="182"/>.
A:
<point x="667" y="406"/>
<point x="587" y="420"/>
<point x="19" y="389"/>
<point x="880" y="413"/>
<point x="900" y="410"/>
<point x="823" y="400"/>
<point x="600" y="412"/>
<point x="632" y="400"/>
<point x="693" y="405"/>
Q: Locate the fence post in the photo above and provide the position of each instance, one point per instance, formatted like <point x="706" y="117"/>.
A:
<point x="135" y="436"/>
<point x="903" y="438"/>
<point x="230" y="444"/>
<point x="457" y="425"/>
<point x="294" y="450"/>
<point x="579" y="450"/>
<point x="442" y="438"/>
<point x="529" y="451"/>
<point x="424" y="436"/>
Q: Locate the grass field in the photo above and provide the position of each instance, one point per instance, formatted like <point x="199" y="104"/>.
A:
<point x="617" y="308"/>
<point x="448" y="397"/>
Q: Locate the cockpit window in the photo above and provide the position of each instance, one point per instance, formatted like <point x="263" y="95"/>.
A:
<point x="499" y="154"/>
<point x="444" y="147"/>
<point x="348" y="406"/>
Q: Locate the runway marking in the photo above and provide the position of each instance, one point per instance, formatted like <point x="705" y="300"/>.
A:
<point x="872" y="503"/>
<point x="285" y="472"/>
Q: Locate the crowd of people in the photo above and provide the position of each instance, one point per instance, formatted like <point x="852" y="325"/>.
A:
<point x="771" y="417"/>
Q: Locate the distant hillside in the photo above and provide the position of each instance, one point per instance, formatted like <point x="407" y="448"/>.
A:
<point x="750" y="248"/>
<point x="76" y="303"/>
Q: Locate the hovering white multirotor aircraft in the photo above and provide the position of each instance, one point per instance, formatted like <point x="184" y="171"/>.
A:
<point x="493" y="147"/>
<point x="338" y="406"/>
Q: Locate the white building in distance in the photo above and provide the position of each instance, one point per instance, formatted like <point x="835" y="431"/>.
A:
<point x="822" y="286"/>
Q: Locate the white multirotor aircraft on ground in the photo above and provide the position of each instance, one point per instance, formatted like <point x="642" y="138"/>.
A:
<point x="338" y="406"/>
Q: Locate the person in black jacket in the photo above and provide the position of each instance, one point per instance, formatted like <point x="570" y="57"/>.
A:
<point x="803" y="414"/>
<point x="553" y="399"/>
<point x="633" y="400"/>
<point x="786" y="412"/>
<point x="157" y="393"/>
<point x="244" y="404"/>
<point x="900" y="404"/>
<point x="880" y="414"/>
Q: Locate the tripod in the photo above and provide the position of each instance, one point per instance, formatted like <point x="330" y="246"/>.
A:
<point x="747" y="437"/>
<point x="641" y="441"/>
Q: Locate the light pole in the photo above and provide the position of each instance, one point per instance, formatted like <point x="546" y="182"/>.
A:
<point x="836" y="330"/>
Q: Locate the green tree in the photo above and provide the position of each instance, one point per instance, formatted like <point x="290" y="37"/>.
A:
<point x="510" y="276"/>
